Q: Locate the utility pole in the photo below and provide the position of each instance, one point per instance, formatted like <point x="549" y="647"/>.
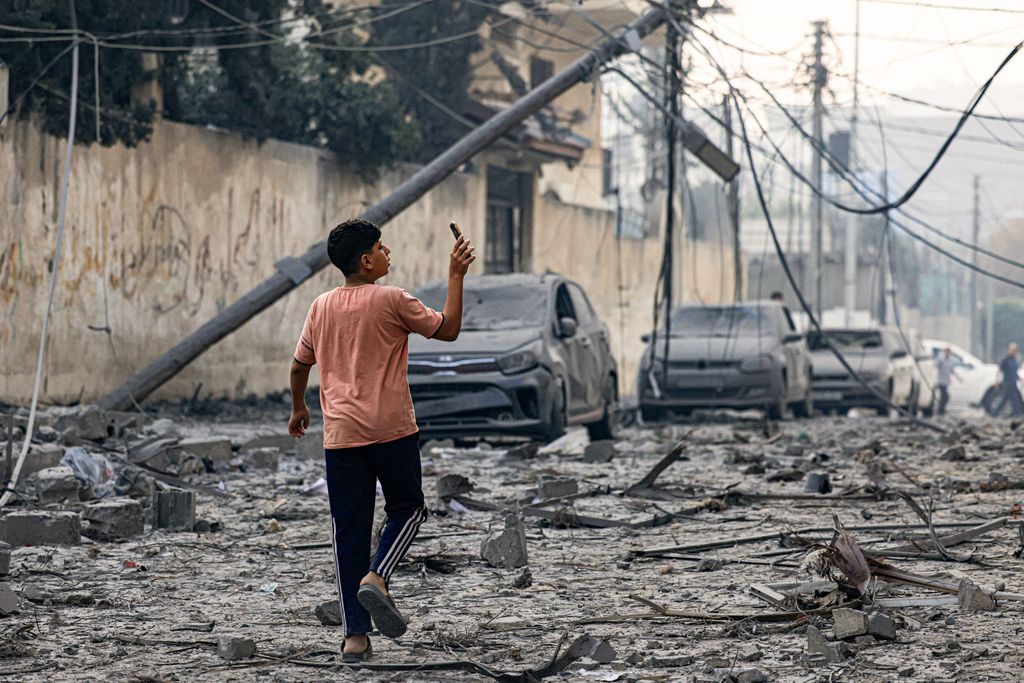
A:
<point x="850" y="275"/>
<point x="886" y="315"/>
<point x="672" y="88"/>
<point x="732" y="203"/>
<point x="818" y="210"/>
<point x="976" y="228"/>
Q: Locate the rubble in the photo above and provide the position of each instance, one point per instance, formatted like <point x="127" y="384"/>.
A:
<point x="599" y="452"/>
<point x="84" y="422"/>
<point x="235" y="648"/>
<point x="818" y="647"/>
<point x="849" y="623"/>
<point x="557" y="487"/>
<point x="506" y="549"/>
<point x="328" y="613"/>
<point x="110" y="520"/>
<point x="973" y="598"/>
<point x="882" y="626"/>
<point x="41" y="528"/>
<point x="174" y="509"/>
<point x="9" y="602"/>
<point x="5" y="558"/>
<point x="56" y="484"/>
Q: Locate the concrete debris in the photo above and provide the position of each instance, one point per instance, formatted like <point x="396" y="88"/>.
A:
<point x="265" y="458"/>
<point x="114" y="519"/>
<point x="5" y="558"/>
<point x="818" y="482"/>
<point x="709" y="564"/>
<point x="734" y="675"/>
<point x="328" y="613"/>
<point x="818" y="646"/>
<point x="882" y="626"/>
<point x="599" y="452"/>
<point x="524" y="579"/>
<point x="86" y="422"/>
<point x="56" y="484"/>
<point x="749" y="653"/>
<point x="954" y="454"/>
<point x="9" y="601"/>
<point x="41" y="528"/>
<point x="235" y="648"/>
<point x="174" y="509"/>
<point x="526" y="451"/>
<point x="849" y="623"/>
<point x="39" y="457"/>
<point x="557" y="487"/>
<point x="973" y="598"/>
<point x="506" y="549"/>
<point x="451" y="485"/>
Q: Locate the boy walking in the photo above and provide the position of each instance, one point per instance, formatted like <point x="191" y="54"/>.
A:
<point x="358" y="334"/>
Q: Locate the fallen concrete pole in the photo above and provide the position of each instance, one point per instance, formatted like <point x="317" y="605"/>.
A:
<point x="292" y="271"/>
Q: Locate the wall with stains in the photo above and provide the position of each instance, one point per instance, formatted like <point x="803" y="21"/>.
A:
<point x="161" y="237"/>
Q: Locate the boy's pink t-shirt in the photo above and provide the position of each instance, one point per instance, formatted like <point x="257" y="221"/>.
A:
<point x="359" y="336"/>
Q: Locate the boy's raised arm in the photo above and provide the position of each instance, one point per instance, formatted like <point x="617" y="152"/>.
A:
<point x="461" y="258"/>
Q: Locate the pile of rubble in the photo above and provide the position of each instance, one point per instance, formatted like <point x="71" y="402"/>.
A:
<point x="160" y="547"/>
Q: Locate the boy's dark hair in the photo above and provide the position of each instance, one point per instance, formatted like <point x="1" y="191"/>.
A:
<point x="348" y="241"/>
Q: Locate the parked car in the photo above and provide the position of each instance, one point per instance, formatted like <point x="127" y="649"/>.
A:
<point x="924" y="392"/>
<point x="877" y="355"/>
<point x="746" y="355"/>
<point x="975" y="382"/>
<point x="533" y="357"/>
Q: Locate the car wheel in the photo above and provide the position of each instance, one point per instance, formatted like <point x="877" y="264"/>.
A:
<point x="556" y="421"/>
<point x="929" y="410"/>
<point x="650" y="414"/>
<point x="604" y="429"/>
<point x="991" y="399"/>
<point x="804" y="408"/>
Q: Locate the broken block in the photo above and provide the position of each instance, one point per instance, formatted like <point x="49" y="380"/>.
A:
<point x="819" y="647"/>
<point x="112" y="519"/>
<point x="174" y="509"/>
<point x="329" y="613"/>
<point x="557" y="487"/>
<point x="87" y="422"/>
<point x="817" y="482"/>
<point x="849" y="623"/>
<point x="56" y="484"/>
<point x="39" y="457"/>
<point x="452" y="485"/>
<point x="749" y="653"/>
<point x="750" y="676"/>
<point x="973" y="598"/>
<point x="9" y="601"/>
<point x="5" y="558"/>
<point x="235" y="648"/>
<point x="266" y="458"/>
<point x="41" y="528"/>
<point x="214" y="450"/>
<point x="882" y="626"/>
<point x="954" y="454"/>
<point x="508" y="548"/>
<point x="599" y="452"/>
<point x="526" y="451"/>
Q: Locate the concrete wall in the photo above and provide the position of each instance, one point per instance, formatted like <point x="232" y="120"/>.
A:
<point x="161" y="237"/>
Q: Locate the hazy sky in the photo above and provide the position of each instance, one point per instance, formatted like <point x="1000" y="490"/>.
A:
<point x="904" y="49"/>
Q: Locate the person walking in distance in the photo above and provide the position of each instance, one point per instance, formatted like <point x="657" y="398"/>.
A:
<point x="358" y="335"/>
<point x="945" y="366"/>
<point x="1009" y="367"/>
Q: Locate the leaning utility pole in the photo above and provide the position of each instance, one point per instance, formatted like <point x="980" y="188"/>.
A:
<point x="818" y="210"/>
<point x="850" y="276"/>
<point x="673" y="86"/>
<point x="973" y="300"/>
<point x="888" y="291"/>
<point x="292" y="271"/>
<point x="732" y="203"/>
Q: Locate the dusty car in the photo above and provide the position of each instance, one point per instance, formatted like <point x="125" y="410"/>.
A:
<point x="925" y="392"/>
<point x="733" y="356"/>
<point x="533" y="357"/>
<point x="877" y="355"/>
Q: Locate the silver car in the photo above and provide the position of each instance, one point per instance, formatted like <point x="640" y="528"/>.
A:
<point x="877" y="355"/>
<point x="740" y="356"/>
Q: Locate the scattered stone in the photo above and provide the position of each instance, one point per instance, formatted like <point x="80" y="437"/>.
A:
<point x="882" y="626"/>
<point x="973" y="598"/>
<point x="214" y="451"/>
<point x="794" y="450"/>
<point x="450" y="485"/>
<point x="267" y="458"/>
<point x="819" y="646"/>
<point x="524" y="579"/>
<point x="235" y="648"/>
<point x="708" y="564"/>
<point x="56" y="484"/>
<point x="749" y="653"/>
<point x="599" y="452"/>
<point x="526" y="451"/>
<point x="109" y="520"/>
<point x="954" y="454"/>
<point x="174" y="509"/>
<point x="508" y="548"/>
<point x="598" y="650"/>
<point x="207" y="526"/>
<point x="329" y="613"/>
<point x="9" y="602"/>
<point x="557" y="487"/>
<point x="41" y="528"/>
<point x="905" y="671"/>
<point x="5" y="559"/>
<point x="87" y="422"/>
<point x="40" y="457"/>
<point x="750" y="676"/>
<point x="36" y="594"/>
<point x="669" y="662"/>
<point x="817" y="482"/>
<point x="849" y="623"/>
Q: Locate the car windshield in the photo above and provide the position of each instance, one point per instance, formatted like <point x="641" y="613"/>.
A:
<point x="721" y="321"/>
<point x="494" y="307"/>
<point x="846" y="340"/>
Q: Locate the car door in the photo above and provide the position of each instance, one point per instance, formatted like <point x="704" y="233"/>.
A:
<point x="572" y="350"/>
<point x="902" y="367"/>
<point x="593" y="348"/>
<point x="795" y="355"/>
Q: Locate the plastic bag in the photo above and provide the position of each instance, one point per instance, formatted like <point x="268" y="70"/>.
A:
<point x="91" y="468"/>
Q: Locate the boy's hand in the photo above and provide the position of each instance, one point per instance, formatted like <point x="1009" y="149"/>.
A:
<point x="462" y="257"/>
<point x="298" y="422"/>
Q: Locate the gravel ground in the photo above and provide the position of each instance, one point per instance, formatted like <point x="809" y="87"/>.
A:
<point x="152" y="607"/>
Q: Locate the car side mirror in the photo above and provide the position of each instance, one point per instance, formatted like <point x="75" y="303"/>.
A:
<point x="895" y="355"/>
<point x="645" y="338"/>
<point x="792" y="337"/>
<point x="567" y="327"/>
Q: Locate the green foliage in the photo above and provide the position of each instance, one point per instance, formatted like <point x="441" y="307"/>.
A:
<point x="443" y="69"/>
<point x="278" y="86"/>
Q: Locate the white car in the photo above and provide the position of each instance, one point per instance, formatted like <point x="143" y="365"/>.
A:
<point x="975" y="376"/>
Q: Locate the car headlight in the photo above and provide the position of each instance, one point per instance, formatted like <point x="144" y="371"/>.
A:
<point x="519" y="360"/>
<point x="756" y="364"/>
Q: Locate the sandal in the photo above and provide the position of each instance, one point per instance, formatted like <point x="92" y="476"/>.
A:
<point x="357" y="657"/>
<point x="383" y="610"/>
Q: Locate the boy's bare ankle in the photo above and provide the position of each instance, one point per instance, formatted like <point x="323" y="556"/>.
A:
<point x="374" y="579"/>
<point x="356" y="643"/>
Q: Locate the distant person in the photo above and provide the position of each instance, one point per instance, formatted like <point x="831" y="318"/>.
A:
<point x="1009" y="367"/>
<point x="945" y="365"/>
<point x="358" y="335"/>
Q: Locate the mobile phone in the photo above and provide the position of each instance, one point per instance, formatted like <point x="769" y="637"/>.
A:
<point x="455" y="230"/>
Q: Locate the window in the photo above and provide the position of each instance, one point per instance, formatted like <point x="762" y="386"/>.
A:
<point x="563" y="304"/>
<point x="580" y="303"/>
<point x="540" y="71"/>
<point x="507" y="220"/>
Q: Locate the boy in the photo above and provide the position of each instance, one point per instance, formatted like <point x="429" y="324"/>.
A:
<point x="359" y="336"/>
